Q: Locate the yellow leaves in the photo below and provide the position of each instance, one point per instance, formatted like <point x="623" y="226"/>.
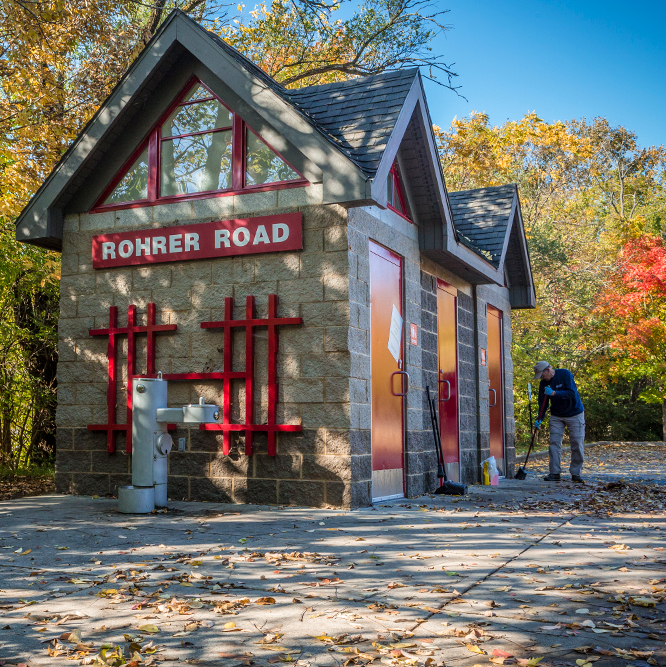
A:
<point x="149" y="628"/>
<point x="643" y="601"/>
<point x="107" y="592"/>
<point x="265" y="601"/>
<point x="475" y="649"/>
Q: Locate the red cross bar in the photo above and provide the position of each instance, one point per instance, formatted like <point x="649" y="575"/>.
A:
<point x="249" y="323"/>
<point x="131" y="330"/>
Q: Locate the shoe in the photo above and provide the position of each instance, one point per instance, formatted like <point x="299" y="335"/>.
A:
<point x="577" y="478"/>
<point x="552" y="478"/>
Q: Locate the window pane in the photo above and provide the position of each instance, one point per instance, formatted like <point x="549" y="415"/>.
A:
<point x="197" y="93"/>
<point x="134" y="184"/>
<point x="263" y="165"/>
<point x="389" y="189"/>
<point x="196" y="164"/>
<point x="197" y="118"/>
<point x="396" y="196"/>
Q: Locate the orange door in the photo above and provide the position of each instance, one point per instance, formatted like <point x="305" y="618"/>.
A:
<point x="495" y="376"/>
<point x="447" y="352"/>
<point x="387" y="377"/>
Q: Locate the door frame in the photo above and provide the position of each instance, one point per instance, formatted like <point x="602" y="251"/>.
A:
<point x="453" y="291"/>
<point x="393" y="257"/>
<point x="499" y="314"/>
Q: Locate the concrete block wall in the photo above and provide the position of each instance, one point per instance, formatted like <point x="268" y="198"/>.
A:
<point x="467" y="397"/>
<point x="499" y="298"/>
<point x="394" y="232"/>
<point x="314" y="364"/>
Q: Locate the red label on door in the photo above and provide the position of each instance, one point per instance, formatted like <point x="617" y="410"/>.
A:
<point x="244" y="236"/>
<point x="413" y="339"/>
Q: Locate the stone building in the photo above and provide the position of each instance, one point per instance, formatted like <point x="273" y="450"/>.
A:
<point x="291" y="255"/>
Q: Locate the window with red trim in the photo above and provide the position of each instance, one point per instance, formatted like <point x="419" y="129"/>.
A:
<point x="199" y="148"/>
<point x="395" y="195"/>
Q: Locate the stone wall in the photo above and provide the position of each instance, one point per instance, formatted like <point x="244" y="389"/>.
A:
<point x="314" y="362"/>
<point x="499" y="298"/>
<point x="323" y="366"/>
<point x="468" y="398"/>
<point x="473" y="399"/>
<point x="399" y="235"/>
<point x="429" y="364"/>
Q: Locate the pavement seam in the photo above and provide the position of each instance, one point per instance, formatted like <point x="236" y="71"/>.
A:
<point x="495" y="571"/>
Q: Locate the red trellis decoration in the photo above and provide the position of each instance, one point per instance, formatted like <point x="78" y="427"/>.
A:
<point x="131" y="330"/>
<point x="250" y="323"/>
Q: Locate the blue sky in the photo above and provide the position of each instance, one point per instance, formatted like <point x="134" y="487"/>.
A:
<point x="566" y="59"/>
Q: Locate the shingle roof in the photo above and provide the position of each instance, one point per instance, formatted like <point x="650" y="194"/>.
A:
<point x="481" y="218"/>
<point x="359" y="114"/>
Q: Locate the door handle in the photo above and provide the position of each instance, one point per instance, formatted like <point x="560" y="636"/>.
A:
<point x="495" y="393"/>
<point x="400" y="373"/>
<point x="448" y="398"/>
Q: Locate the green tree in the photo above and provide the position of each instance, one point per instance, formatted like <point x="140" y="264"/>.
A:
<point x="585" y="188"/>
<point x="59" y="60"/>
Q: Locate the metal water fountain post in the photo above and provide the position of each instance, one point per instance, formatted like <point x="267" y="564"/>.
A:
<point x="151" y="443"/>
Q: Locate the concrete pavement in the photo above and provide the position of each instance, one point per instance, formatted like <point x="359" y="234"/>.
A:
<point x="429" y="581"/>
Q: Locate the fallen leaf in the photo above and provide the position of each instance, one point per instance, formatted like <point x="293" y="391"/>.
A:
<point x="501" y="654"/>
<point x="149" y="628"/>
<point x="71" y="637"/>
<point x="643" y="601"/>
<point x="265" y="601"/>
<point x="474" y="649"/>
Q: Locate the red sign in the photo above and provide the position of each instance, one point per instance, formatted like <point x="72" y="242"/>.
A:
<point x="483" y="356"/>
<point x="413" y="339"/>
<point x="244" y="236"/>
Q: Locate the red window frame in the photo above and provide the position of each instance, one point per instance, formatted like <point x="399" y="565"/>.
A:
<point x="397" y="189"/>
<point x="154" y="142"/>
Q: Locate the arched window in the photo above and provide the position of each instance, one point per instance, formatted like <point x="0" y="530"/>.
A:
<point x="200" y="148"/>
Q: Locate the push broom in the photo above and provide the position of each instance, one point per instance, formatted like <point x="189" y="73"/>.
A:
<point x="522" y="472"/>
<point x="445" y="486"/>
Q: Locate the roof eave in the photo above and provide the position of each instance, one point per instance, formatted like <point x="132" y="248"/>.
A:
<point x="37" y="223"/>
<point x="415" y="102"/>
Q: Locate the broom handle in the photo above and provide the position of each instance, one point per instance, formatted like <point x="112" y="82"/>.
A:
<point x="534" y="431"/>
<point x="435" y="432"/>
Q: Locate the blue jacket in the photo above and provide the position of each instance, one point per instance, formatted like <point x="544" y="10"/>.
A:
<point x="566" y="400"/>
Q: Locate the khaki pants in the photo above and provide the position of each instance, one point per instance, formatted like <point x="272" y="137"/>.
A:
<point x="576" y="436"/>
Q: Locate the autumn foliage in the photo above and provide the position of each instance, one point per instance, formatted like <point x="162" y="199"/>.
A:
<point x="592" y="200"/>
<point x="634" y="308"/>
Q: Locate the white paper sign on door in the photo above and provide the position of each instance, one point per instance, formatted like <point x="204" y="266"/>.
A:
<point x="395" y="334"/>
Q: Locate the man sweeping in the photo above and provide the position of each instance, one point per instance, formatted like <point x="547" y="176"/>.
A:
<point x="566" y="410"/>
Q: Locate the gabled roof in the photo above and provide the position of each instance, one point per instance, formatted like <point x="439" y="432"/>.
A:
<point x="345" y="136"/>
<point x="481" y="218"/>
<point x="359" y="114"/>
<point x="342" y="150"/>
<point x="489" y="222"/>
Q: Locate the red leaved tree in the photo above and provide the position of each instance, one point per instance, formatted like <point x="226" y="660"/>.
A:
<point x="634" y="305"/>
